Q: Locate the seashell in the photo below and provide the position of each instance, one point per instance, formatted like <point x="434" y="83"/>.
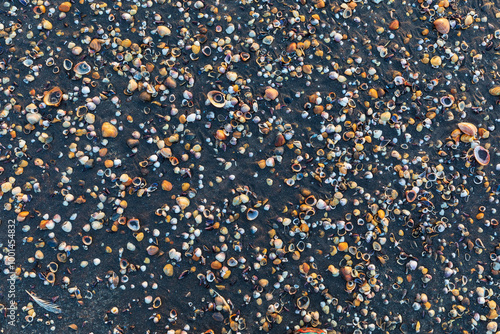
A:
<point x="252" y="214"/>
<point x="245" y="56"/>
<point x="270" y="94"/>
<point x="50" y="277"/>
<point x="436" y="61"/>
<point x="53" y="97"/>
<point x="33" y="118"/>
<point x="67" y="64"/>
<point x="168" y="269"/>
<point x="152" y="250"/>
<point x="394" y="25"/>
<point x="495" y="91"/>
<point x="109" y="130"/>
<point x="232" y="262"/>
<point x="82" y="68"/>
<point x="87" y="240"/>
<point x="231" y="76"/>
<point x="53" y="267"/>
<point x="482" y="155"/>
<point x="157" y="302"/>
<point x="303" y="302"/>
<point x="468" y="128"/>
<point x="182" y="202"/>
<point x="442" y="25"/>
<point x="411" y="195"/>
<point x="268" y="40"/>
<point x="65" y="6"/>
<point x="163" y="31"/>
<point x="166" y="185"/>
<point x="134" y="224"/>
<point x="447" y="101"/>
<point x="95" y="45"/>
<point x="216" y="98"/>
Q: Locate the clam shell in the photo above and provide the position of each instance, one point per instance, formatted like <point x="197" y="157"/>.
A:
<point x="442" y="25"/>
<point x="134" y="224"/>
<point x="495" y="91"/>
<point x="53" y="97"/>
<point x="468" y="128"/>
<point x="482" y="155"/>
<point x="182" y="202"/>
<point x="252" y="214"/>
<point x="270" y="94"/>
<point x="82" y="68"/>
<point x="216" y="98"/>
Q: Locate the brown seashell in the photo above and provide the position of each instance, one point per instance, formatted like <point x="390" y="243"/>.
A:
<point x="346" y="273"/>
<point x="495" y="91"/>
<point x="145" y="96"/>
<point x="170" y="82"/>
<point x="280" y="140"/>
<point x="442" y="25"/>
<point x="216" y="98"/>
<point x="53" y="97"/>
<point x="270" y="94"/>
<point x="95" y="45"/>
<point x="394" y="25"/>
<point x="468" y="128"/>
<point x="482" y="155"/>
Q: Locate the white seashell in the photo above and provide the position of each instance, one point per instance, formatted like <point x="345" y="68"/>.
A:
<point x="67" y="226"/>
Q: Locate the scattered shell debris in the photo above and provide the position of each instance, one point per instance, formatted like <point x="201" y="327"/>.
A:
<point x="296" y="166"/>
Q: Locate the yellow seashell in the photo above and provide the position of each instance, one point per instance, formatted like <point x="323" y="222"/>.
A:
<point x="436" y="61"/>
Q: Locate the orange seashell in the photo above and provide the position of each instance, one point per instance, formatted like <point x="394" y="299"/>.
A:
<point x="270" y="94"/>
<point x="482" y="155"/>
<point x="442" y="25"/>
<point x="411" y="195"/>
<point x="220" y="134"/>
<point x="343" y="246"/>
<point x="53" y="97"/>
<point x="291" y="48"/>
<point x="166" y="185"/>
<point x="468" y="128"/>
<point x="394" y="25"/>
<point x="216" y="265"/>
<point x="495" y="91"/>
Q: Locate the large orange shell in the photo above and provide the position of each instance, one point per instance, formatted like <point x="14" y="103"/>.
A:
<point x="442" y="25"/>
<point x="468" y="128"/>
<point x="482" y="155"/>
<point x="495" y="91"/>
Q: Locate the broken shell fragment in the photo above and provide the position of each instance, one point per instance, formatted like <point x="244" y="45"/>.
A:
<point x="216" y="98"/>
<point x="53" y="97"/>
<point x="134" y="224"/>
<point x="482" y="155"/>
